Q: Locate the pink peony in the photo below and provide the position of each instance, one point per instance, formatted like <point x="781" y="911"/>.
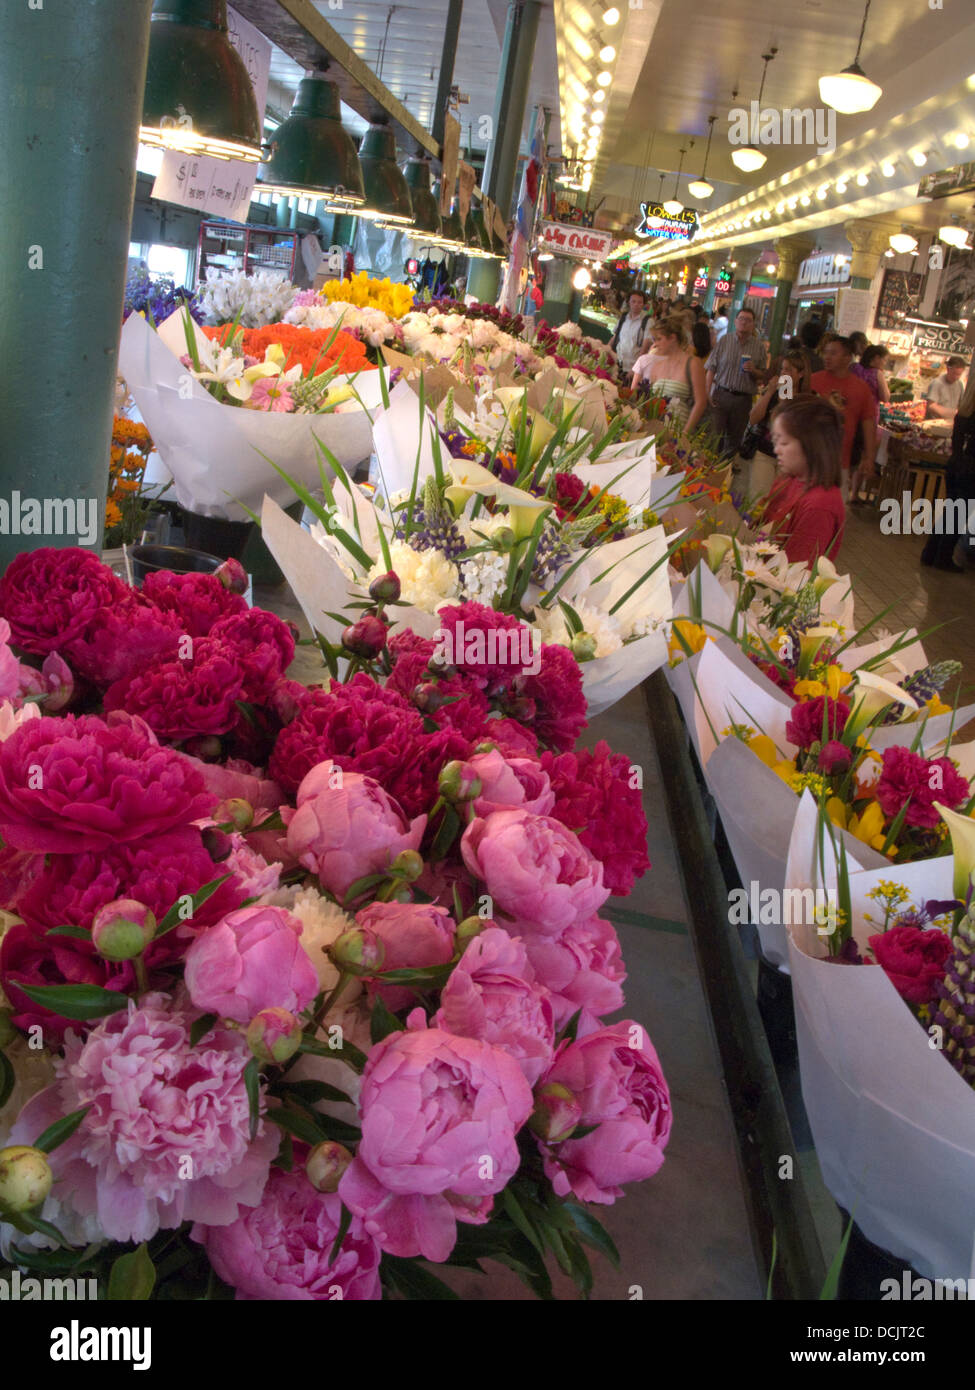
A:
<point x="615" y="1076"/>
<point x="594" y="797"/>
<point x="490" y="646"/>
<point x="184" y="697"/>
<point x="251" y="960"/>
<point x="50" y="596"/>
<point x="919" y="782"/>
<point x="70" y="784"/>
<point x="556" y="691"/>
<point x="123" y="640"/>
<point x="263" y="649"/>
<point x="251" y="870"/>
<point x="412" y="934"/>
<point x="281" y="1248"/>
<point x="439" y="1119"/>
<point x="582" y="967"/>
<point x="490" y="995"/>
<point x="236" y="780"/>
<point x="197" y="600"/>
<point x="534" y="869"/>
<point x="165" y="1139"/>
<point x="346" y="827"/>
<point x="508" y="782"/>
<point x="805" y="727"/>
<point x="915" y="961"/>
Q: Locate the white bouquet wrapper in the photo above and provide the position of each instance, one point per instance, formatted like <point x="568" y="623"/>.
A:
<point x="644" y="481"/>
<point x="214" y="451"/>
<point x="892" y="1121"/>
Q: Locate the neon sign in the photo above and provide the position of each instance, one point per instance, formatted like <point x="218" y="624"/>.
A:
<point x="659" y="224"/>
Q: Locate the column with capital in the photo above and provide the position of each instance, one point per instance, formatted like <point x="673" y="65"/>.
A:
<point x="791" y="251"/>
<point x="869" y="237"/>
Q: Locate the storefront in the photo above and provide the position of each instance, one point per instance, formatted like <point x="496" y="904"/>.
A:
<point x="814" y="295"/>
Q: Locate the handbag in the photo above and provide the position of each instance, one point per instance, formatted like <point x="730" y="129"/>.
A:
<point x="748" y="447"/>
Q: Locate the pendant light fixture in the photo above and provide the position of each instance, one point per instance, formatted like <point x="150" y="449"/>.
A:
<point x="673" y="207"/>
<point x="903" y="243"/>
<point x="312" y="155"/>
<point x="747" y="158"/>
<point x="388" y="202"/>
<point x="700" y="188"/>
<point x="426" y="212"/>
<point x="953" y="234"/>
<point x="198" y="95"/>
<point x="478" y="240"/>
<point x="851" y="90"/>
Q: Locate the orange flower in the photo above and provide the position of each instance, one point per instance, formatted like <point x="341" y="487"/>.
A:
<point x="302" y="346"/>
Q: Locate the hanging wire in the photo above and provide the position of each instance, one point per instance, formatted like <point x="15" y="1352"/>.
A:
<point x="385" y="40"/>
<point x="863" y="30"/>
<point x="768" y="58"/>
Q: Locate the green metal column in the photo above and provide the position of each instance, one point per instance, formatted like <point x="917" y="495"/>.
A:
<point x="72" y="74"/>
<point x="448" y="57"/>
<point x="709" y="295"/>
<point x="503" y="149"/>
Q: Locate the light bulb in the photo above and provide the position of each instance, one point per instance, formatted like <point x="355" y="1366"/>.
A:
<point x="822" y="191"/>
<point x="793" y="203"/>
<point x="607" y="54"/>
<point x="902" y="243"/>
<point x="748" y="159"/>
<point x="599" y="95"/>
<point x="581" y="279"/>
<point x="780" y="207"/>
<point x="919" y="158"/>
<point x="700" y="188"/>
<point x="953" y="235"/>
<point x="604" y="79"/>
<point x="841" y="187"/>
<point x="598" y="117"/>
<point x="961" y="141"/>
<point x="887" y="169"/>
<point x="850" y="91"/>
<point x="862" y="180"/>
<point x="805" y="200"/>
<point x="890" y="252"/>
<point x="673" y="207"/>
<point x="611" y="16"/>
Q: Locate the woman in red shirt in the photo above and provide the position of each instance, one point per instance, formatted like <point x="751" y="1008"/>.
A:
<point x="805" y="507"/>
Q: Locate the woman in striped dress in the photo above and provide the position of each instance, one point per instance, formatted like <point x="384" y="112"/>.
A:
<point x="673" y="374"/>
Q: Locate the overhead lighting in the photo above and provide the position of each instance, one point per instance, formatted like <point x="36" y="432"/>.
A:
<point x="611" y="16"/>
<point x="851" y="90"/>
<point x="546" y="256"/>
<point x="903" y="242"/>
<point x="841" y="186"/>
<point x="607" y="54"/>
<point x="311" y="153"/>
<point x="747" y="158"/>
<point x="581" y="279"/>
<point x="793" y="204"/>
<point x="674" y="206"/>
<point x="598" y="117"/>
<point x="198" y="95"/>
<point x="961" y="141"/>
<point x="780" y="207"/>
<point x="805" y="200"/>
<point x="953" y="234"/>
<point x="388" y="200"/>
<point x="599" y="95"/>
<point x="604" y="79"/>
<point x="890" y="252"/>
<point x="426" y="212"/>
<point x="862" y="180"/>
<point x="887" y="169"/>
<point x="919" y="158"/>
<point x="700" y="188"/>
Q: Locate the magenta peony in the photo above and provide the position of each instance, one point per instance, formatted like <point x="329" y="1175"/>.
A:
<point x="915" y="961"/>
<point x="919" y="782"/>
<point x="50" y="596"/>
<point x="251" y="960"/>
<point x="582" y="967"/>
<point x="197" y="600"/>
<point x="263" y="649"/>
<point x="165" y="1139"/>
<point x="281" y="1248"/>
<point x="70" y="784"/>
<point x="187" y="696"/>
<point x="412" y="934"/>
<point x="615" y="1076"/>
<point x="490" y="995"/>
<point x="123" y="640"/>
<point x="439" y="1119"/>
<point x="490" y="646"/>
<point x="346" y="826"/>
<point x="595" y="796"/>
<point x="805" y="727"/>
<point x="556" y="691"/>
<point x="535" y="870"/>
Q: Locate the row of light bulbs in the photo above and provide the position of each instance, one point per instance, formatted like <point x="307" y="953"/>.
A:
<point x="588" y="139"/>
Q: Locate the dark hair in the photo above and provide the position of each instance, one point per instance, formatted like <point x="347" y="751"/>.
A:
<point x="855" y="338"/>
<point x="811" y="334"/>
<point x="641" y="293"/>
<point x="745" y="310"/>
<point x="956" y="362"/>
<point x="815" y="423"/>
<point x="845" y="343"/>
<point x="701" y="339"/>
<point x="875" y="352"/>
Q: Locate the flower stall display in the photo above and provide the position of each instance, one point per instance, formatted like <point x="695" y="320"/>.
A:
<point x="885" y="1043"/>
<point x="343" y="943"/>
<point x="128" y="507"/>
<point x="250" y="300"/>
<point x="157" y="297"/>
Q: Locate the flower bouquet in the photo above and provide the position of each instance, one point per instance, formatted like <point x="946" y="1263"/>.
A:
<point x="354" y="983"/>
<point x="250" y="300"/>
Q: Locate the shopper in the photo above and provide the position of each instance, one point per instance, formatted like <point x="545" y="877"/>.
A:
<point x="811" y="336"/>
<point x="733" y="371"/>
<point x="758" y="450"/>
<point x="701" y="340"/>
<point x="870" y="369"/>
<point x="631" y="332"/>
<point x="853" y="398"/>
<point x="720" y="323"/>
<point x="949" y="552"/>
<point x="945" y="392"/>
<point x="673" y="374"/>
<point x="805" y="508"/>
<point x="859" y="342"/>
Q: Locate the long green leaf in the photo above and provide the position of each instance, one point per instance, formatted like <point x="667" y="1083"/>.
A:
<point x="133" y="1276"/>
<point x="61" y="1129"/>
<point x="175" y="915"/>
<point x="79" y="1002"/>
<point x="252" y="1085"/>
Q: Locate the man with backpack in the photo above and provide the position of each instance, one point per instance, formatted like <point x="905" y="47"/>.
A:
<point x="631" y="331"/>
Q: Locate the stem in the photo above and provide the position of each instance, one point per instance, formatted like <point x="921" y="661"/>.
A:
<point x="141" y="975"/>
<point x="321" y="1014"/>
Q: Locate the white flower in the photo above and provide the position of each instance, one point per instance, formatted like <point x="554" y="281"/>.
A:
<point x="568" y="330"/>
<point x="484" y="576"/>
<point x="11" y="718"/>
<point x="427" y="578"/>
<point x="601" y="626"/>
<point x="254" y="300"/>
<point x="322" y="922"/>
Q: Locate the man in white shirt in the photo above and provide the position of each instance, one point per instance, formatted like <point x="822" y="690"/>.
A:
<point x="719" y="324"/>
<point x="631" y="331"/>
<point x="945" y="392"/>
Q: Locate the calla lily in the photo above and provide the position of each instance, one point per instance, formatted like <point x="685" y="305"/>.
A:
<point x="871" y="694"/>
<point x="470" y="478"/>
<point x="542" y="430"/>
<point x="811" y="644"/>
<point x="716" y="548"/>
<point x="962" y="830"/>
<point x="824" y="574"/>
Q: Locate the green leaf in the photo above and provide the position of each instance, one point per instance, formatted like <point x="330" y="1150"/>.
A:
<point x="414" y="1281"/>
<point x="61" y="1129"/>
<point x="80" y="1002"/>
<point x="70" y="931"/>
<point x="513" y="1208"/>
<point x="446" y="834"/>
<point x="299" y="1123"/>
<point x="174" y="916"/>
<point x="8" y="1079"/>
<point x="382" y="1022"/>
<point x="345" y="1221"/>
<point x="133" y="1276"/>
<point x="568" y="1033"/>
<point x="581" y="1131"/>
<point x="28" y="1224"/>
<point x="832" y="1282"/>
<point x="593" y="1232"/>
<point x="347" y="1053"/>
<point x="285" y="1158"/>
<point x="200" y="1027"/>
<point x="362" y="885"/>
<point x="311" y="1091"/>
<point x="772" y="1264"/>
<point x="252" y="1084"/>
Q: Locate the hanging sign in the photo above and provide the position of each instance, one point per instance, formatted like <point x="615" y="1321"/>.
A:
<point x="220" y="187"/>
<point x="826" y="269"/>
<point x="466" y="179"/>
<point x="451" y="156"/>
<point x="943" y="182"/>
<point x="722" y="285"/>
<point x="657" y="223"/>
<point x="933" y="337"/>
<point x="584" y="243"/>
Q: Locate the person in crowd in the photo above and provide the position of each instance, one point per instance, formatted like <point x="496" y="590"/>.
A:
<point x="945" y="392"/>
<point x="871" y="368"/>
<point x="673" y="374"/>
<point x="701" y="340"/>
<point x="733" y="371"/>
<point x="854" y="399"/>
<point x="805" y="508"/>
<point x="951" y="551"/>
<point x="859" y="342"/>
<point x="810" y="336"/>
<point x="789" y="383"/>
<point x="628" y="342"/>
<point x="720" y="323"/>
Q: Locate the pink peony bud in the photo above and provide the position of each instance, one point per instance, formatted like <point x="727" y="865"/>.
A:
<point x="205" y="746"/>
<point x="122" y="929"/>
<point x="408" y="865"/>
<point x="358" y="951"/>
<point x="471" y="927"/>
<point x="25" y="1177"/>
<point x="459" y="782"/>
<point x="834" y="757"/>
<point x="557" y="1113"/>
<point x="365" y="638"/>
<point x="325" y="1165"/>
<point x="239" y="812"/>
<point x="233" y="576"/>
<point x="273" y="1035"/>
<point x="385" y="589"/>
<point x="427" y="697"/>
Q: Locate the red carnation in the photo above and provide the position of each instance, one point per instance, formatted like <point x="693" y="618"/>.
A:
<point x="806" y="725"/>
<point x="919" y="782"/>
<point x="914" y="960"/>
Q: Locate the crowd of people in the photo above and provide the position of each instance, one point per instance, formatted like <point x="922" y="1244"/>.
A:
<point x="802" y="429"/>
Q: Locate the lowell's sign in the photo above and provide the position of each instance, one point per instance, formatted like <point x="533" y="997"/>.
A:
<point x="585" y="243"/>
<point x="825" y="269"/>
<point x="655" y="222"/>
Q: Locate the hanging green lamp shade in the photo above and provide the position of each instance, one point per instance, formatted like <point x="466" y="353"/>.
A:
<point x="198" y="97"/>
<point x="478" y="235"/>
<point x="426" y="210"/>
<point x="452" y="233"/>
<point x="388" y="200"/>
<point x="312" y="154"/>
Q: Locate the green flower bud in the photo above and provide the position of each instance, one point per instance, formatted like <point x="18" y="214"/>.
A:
<point x="583" y="646"/>
<point x="239" y="812"/>
<point x="358" y="951"/>
<point x="273" y="1035"/>
<point x="459" y="782"/>
<point x="122" y="929"/>
<point x="25" y="1177"/>
<point x="325" y="1165"/>
<point x="471" y="927"/>
<point x="557" y="1113"/>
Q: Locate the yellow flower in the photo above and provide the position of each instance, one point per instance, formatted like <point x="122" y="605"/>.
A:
<point x="869" y="827"/>
<point x="691" y="639"/>
<point x="808" y="690"/>
<point x="837" y="811"/>
<point x="937" y="706"/>
<point x="787" y="771"/>
<point x="764" y="748"/>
